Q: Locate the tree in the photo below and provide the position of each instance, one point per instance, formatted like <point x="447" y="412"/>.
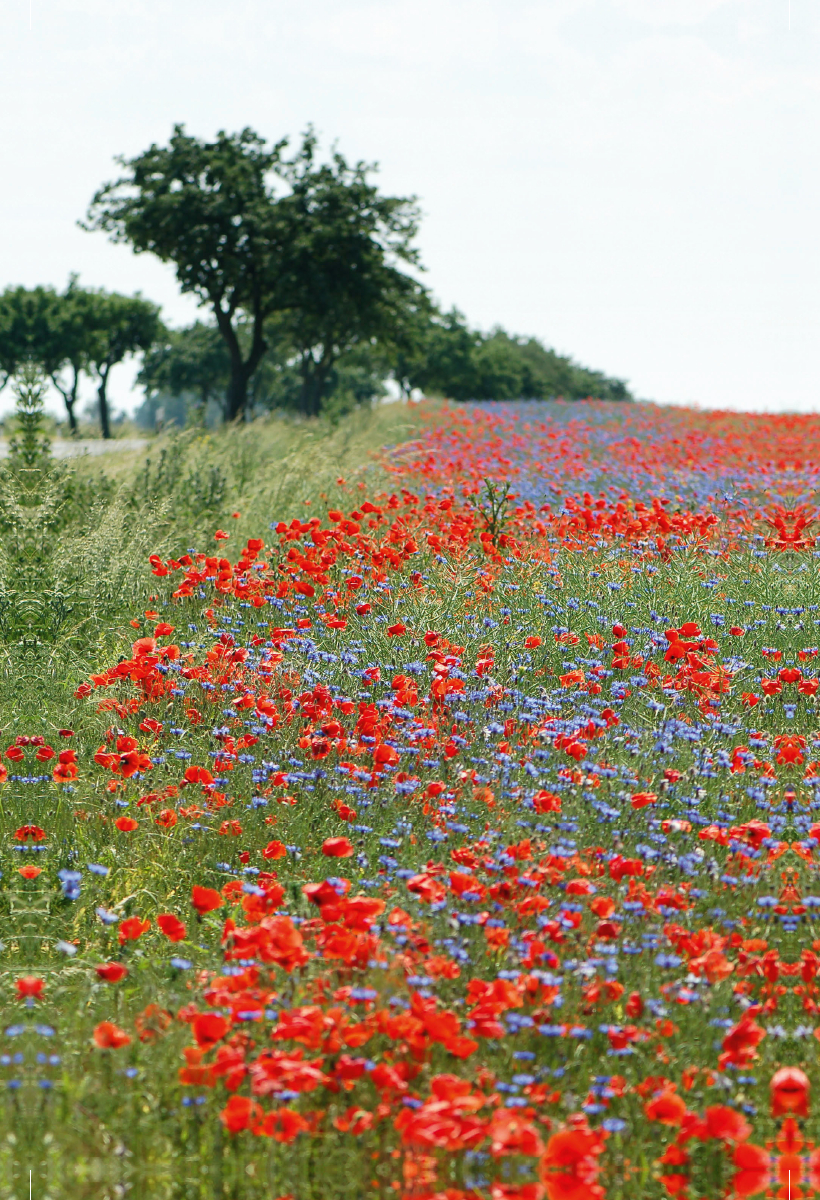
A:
<point x="40" y="326"/>
<point x="319" y="252"/>
<point x="9" y="345"/>
<point x="194" y="359"/>
<point x="118" y="326"/>
<point x="65" y="340"/>
<point x="23" y="325"/>
<point x="440" y="357"/>
<point x="449" y="358"/>
<point x="208" y="208"/>
<point x="341" y="287"/>
<point x="67" y="333"/>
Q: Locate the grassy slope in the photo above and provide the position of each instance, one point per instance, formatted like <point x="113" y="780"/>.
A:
<point x="272" y="469"/>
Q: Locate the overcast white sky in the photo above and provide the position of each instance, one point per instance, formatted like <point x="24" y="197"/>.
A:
<point x="636" y="182"/>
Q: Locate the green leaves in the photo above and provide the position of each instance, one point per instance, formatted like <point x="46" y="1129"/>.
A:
<point x="449" y="358"/>
<point x="66" y="334"/>
<point x="252" y="235"/>
<point x="32" y="449"/>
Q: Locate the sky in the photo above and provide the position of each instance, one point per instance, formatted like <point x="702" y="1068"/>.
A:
<point x="634" y="182"/>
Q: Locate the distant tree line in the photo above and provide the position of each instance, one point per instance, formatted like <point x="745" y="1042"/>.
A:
<point x="74" y="332"/>
<point x="309" y="276"/>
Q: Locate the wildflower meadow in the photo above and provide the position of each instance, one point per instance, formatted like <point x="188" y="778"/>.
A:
<point x="445" y="829"/>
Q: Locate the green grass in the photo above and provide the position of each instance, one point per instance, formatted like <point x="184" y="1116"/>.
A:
<point x="73" y="581"/>
<point x="272" y="469"/>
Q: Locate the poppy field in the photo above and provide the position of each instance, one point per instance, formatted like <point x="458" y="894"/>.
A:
<point x="458" y="841"/>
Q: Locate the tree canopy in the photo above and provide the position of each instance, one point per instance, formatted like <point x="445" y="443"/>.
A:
<point x="120" y="326"/>
<point x="252" y="234"/>
<point x="192" y="360"/>
<point x="311" y="276"/>
<point x="78" y="330"/>
<point x="341" y="285"/>
<point x="450" y="359"/>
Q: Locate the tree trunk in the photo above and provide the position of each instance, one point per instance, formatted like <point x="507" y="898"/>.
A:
<point x="241" y="371"/>
<point x="72" y="420"/>
<point x="70" y="398"/>
<point x="314" y="378"/>
<point x="70" y="401"/>
<point x="105" y="426"/>
<point x="237" y="397"/>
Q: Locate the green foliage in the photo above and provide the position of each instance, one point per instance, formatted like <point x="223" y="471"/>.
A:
<point x="30" y="450"/>
<point x="320" y="252"/>
<point x="79" y="330"/>
<point x="208" y="208"/>
<point x="120" y="326"/>
<point x="267" y="469"/>
<point x="192" y="360"/>
<point x="342" y="287"/>
<point x="450" y="359"/>
<point x="493" y="508"/>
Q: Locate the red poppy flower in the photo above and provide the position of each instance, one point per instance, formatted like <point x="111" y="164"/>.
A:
<point x="634" y="1005"/>
<point x="511" y="1133"/>
<point x="126" y="824"/>
<point x="29" y="871"/>
<point x="283" y="1125"/>
<point x="111" y="972"/>
<point x="569" y="1167"/>
<point x="230" y="828"/>
<point x="740" y="1043"/>
<point x="172" y="927"/>
<point x="132" y="928"/>
<point x="144" y="646"/>
<point x="205" y="899"/>
<point x="29" y="985"/>
<point x="209" y="1028"/>
<point x="29" y="831"/>
<point x="337" y="847"/>
<point x="397" y="630"/>
<point x="240" y="1113"/>
<point x="754" y="1170"/>
<point x="275" y="850"/>
<point x="110" y="1037"/>
<point x="727" y="1124"/>
<point x="667" y="1108"/>
<point x="790" y="1092"/>
<point x="198" y="775"/>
